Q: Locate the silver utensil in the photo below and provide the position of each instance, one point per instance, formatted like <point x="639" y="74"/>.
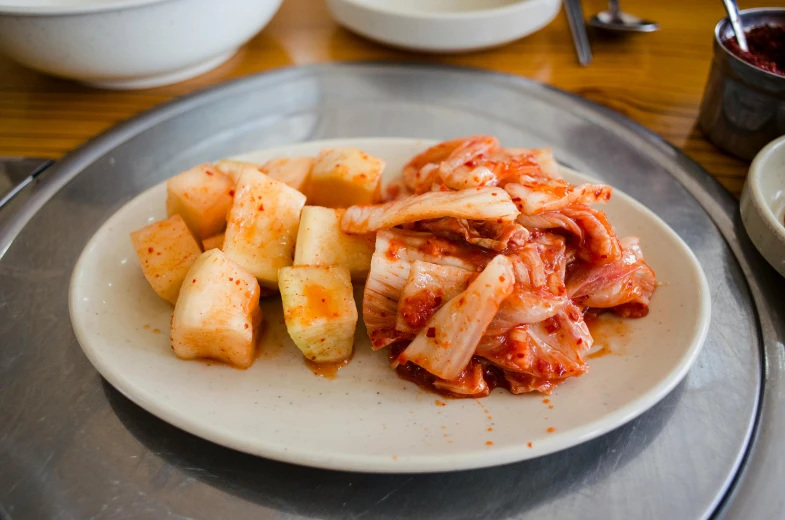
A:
<point x="614" y="19"/>
<point x="578" y="28"/>
<point x="733" y="14"/>
<point x="18" y="172"/>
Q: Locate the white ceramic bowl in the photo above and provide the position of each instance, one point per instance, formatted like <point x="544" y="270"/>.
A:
<point x="444" y="25"/>
<point x="763" y="203"/>
<point x="127" y="44"/>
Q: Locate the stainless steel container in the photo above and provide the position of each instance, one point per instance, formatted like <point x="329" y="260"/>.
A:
<point x="743" y="106"/>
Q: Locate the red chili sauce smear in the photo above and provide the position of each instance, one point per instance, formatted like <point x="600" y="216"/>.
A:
<point x="606" y="332"/>
<point x="327" y="370"/>
<point x="767" y="48"/>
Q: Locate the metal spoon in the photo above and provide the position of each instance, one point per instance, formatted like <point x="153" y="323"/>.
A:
<point x="615" y="20"/>
<point x="735" y="21"/>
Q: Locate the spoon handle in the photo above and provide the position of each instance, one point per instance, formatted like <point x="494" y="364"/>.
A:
<point x="613" y="7"/>
<point x="735" y="21"/>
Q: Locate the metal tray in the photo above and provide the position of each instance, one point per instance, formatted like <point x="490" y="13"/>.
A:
<point x="73" y="447"/>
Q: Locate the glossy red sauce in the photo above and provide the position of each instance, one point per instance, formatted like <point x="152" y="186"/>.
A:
<point x="418" y="308"/>
<point x="766" y="48"/>
<point x="607" y="332"/>
<point x="327" y="370"/>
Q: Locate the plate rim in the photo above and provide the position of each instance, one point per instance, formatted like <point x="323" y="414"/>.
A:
<point x="385" y="464"/>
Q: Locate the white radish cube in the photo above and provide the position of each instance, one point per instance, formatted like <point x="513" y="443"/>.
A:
<point x="202" y="196"/>
<point x="234" y="169"/>
<point x="320" y="241"/>
<point x="166" y="251"/>
<point x="217" y="315"/>
<point x="262" y="226"/>
<point x="319" y="311"/>
<point x="342" y="177"/>
<point x="213" y="242"/>
<point x="293" y="171"/>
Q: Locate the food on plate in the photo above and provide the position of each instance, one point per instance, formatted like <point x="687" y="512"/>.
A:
<point x="320" y="241"/>
<point x="472" y="204"/>
<point x="292" y="171"/>
<point x="217" y="315"/>
<point x="345" y="176"/>
<point x="262" y="226"/>
<point x="166" y="251"/>
<point x="485" y="266"/>
<point x="479" y="262"/>
<point x="214" y="242"/>
<point x="202" y="196"/>
<point x="319" y="310"/>
<point x="234" y="169"/>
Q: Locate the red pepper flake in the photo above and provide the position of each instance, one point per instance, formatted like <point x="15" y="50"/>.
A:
<point x="488" y="443"/>
<point x="490" y="429"/>
<point x="529" y="444"/>
<point x="245" y="325"/>
<point x="551" y="429"/>
<point x="431" y="332"/>
<point x="149" y="249"/>
<point x="261" y="207"/>
<point x="231" y="193"/>
<point x="546" y="401"/>
<point x="494" y="194"/>
<point x="208" y="172"/>
<point x="237" y="282"/>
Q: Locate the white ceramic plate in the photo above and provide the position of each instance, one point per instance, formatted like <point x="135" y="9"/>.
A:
<point x="367" y="419"/>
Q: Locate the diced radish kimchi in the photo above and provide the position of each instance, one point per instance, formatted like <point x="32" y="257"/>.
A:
<point x="485" y="264"/>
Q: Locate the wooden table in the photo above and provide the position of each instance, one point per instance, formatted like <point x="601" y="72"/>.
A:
<point x="656" y="79"/>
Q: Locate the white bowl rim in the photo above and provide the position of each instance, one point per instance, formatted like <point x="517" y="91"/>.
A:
<point x="492" y="12"/>
<point x="93" y="7"/>
<point x="757" y="170"/>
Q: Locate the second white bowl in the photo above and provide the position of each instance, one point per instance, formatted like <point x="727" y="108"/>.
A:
<point x="444" y="25"/>
<point x="763" y="203"/>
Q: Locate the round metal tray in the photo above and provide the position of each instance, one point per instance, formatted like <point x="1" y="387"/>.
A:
<point x="73" y="447"/>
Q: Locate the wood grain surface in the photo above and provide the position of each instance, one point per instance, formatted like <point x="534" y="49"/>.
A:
<point x="656" y="79"/>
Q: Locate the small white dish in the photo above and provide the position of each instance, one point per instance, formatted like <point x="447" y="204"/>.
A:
<point x="763" y="203"/>
<point x="367" y="419"/>
<point x="444" y="25"/>
<point x="128" y="44"/>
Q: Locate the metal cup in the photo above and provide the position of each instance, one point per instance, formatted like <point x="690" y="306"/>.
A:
<point x="743" y="107"/>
